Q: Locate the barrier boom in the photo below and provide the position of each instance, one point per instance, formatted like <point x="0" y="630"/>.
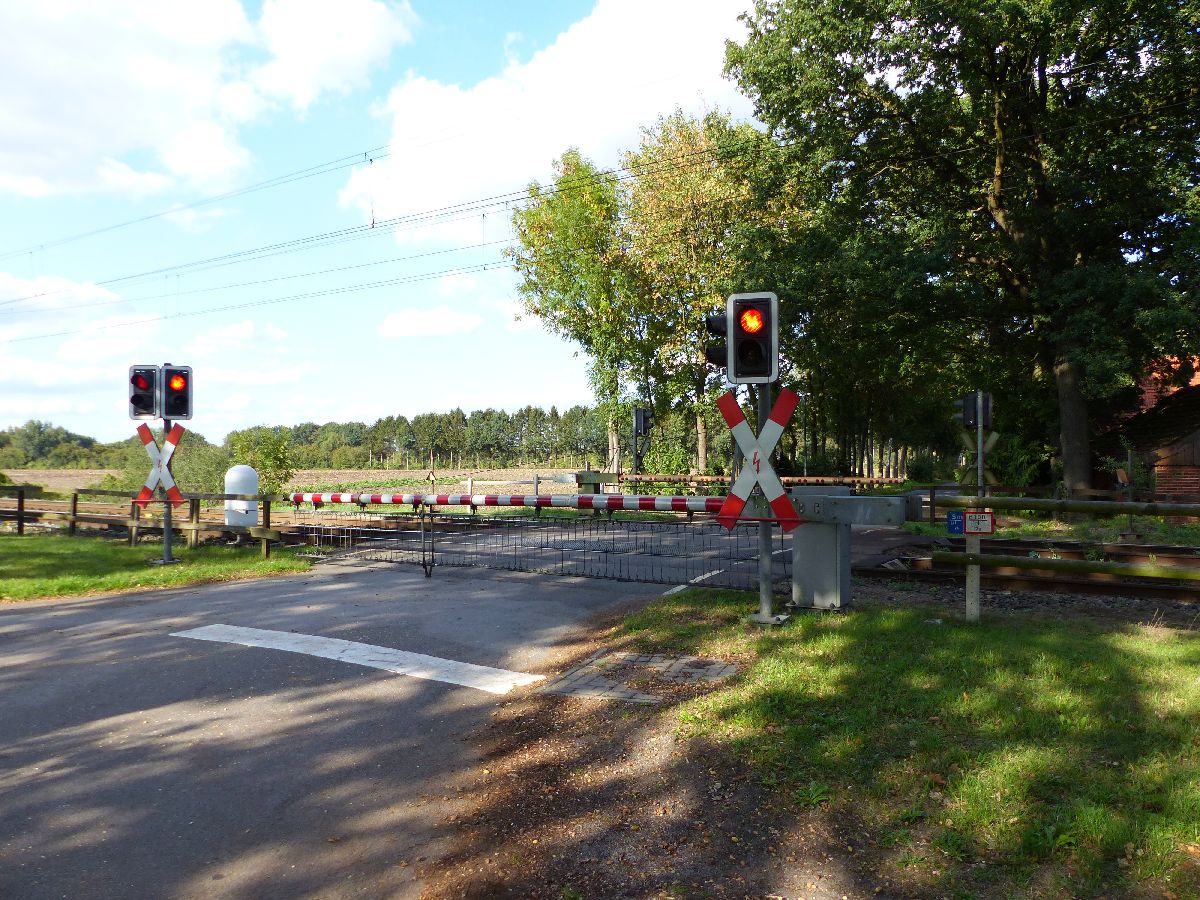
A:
<point x="543" y="501"/>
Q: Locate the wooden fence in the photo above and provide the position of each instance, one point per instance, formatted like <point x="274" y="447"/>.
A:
<point x="135" y="522"/>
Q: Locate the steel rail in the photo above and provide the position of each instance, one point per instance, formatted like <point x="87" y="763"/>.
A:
<point x="1074" y="566"/>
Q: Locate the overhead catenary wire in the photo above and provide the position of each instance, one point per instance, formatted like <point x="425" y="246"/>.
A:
<point x="471" y="208"/>
<point x="476" y="268"/>
<point x="404" y="279"/>
<point x="563" y="185"/>
<point x="438" y="215"/>
<point x="368" y="156"/>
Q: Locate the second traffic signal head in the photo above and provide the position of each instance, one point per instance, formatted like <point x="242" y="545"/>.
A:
<point x="143" y="392"/>
<point x="752" y="322"/>
<point x="969" y="415"/>
<point x="176" y="392"/>
<point x="717" y="349"/>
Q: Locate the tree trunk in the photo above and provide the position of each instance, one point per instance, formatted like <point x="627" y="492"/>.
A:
<point x="1073" y="425"/>
<point x="701" y="443"/>
<point x="614" y="446"/>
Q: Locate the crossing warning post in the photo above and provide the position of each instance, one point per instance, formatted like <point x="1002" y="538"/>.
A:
<point x="758" y="471"/>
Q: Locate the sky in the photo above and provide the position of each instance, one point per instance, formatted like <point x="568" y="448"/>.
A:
<point x="308" y="202"/>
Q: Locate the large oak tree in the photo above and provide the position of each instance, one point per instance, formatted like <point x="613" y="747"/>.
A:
<point x="1048" y="147"/>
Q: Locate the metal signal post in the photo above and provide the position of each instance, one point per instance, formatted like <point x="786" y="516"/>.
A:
<point x="165" y="391"/>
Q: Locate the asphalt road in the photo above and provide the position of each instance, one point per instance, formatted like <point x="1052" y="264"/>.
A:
<point x="134" y="763"/>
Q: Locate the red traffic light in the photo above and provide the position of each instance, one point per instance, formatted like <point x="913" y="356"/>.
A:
<point x="751" y="320"/>
<point x="140" y="381"/>
<point x="177" y="381"/>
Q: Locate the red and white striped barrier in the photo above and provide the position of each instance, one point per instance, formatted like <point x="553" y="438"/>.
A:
<point x="564" y="501"/>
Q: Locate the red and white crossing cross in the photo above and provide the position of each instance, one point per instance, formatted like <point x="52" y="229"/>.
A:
<point x="160" y="461"/>
<point x="757" y="468"/>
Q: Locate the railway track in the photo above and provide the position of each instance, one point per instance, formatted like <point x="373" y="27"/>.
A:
<point x="913" y="565"/>
<point x="922" y="568"/>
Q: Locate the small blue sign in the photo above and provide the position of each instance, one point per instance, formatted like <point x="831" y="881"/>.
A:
<point x="955" y="521"/>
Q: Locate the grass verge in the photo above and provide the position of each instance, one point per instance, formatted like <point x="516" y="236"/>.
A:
<point x="1018" y="754"/>
<point x="37" y="566"/>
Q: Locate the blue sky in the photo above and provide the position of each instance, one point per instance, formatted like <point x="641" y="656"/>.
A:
<point x="425" y="118"/>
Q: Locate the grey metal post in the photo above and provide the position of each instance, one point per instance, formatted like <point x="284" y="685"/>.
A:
<point x="167" y="557"/>
<point x="979" y="492"/>
<point x="973" y="541"/>
<point x="766" y="595"/>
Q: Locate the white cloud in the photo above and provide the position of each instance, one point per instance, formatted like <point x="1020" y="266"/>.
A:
<point x="601" y="81"/>
<point x="318" y="46"/>
<point x="168" y="84"/>
<point x="196" y="221"/>
<point x="438" y="321"/>
<point x="457" y="286"/>
<point x="101" y="81"/>
<point x="22" y="295"/>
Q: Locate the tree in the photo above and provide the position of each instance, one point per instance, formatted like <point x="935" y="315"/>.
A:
<point x="684" y="206"/>
<point x="578" y="278"/>
<point x="1049" y="150"/>
<point x="629" y="267"/>
<point x="269" y="452"/>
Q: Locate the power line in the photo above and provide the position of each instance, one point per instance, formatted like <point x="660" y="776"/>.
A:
<point x="406" y="279"/>
<point x="299" y="175"/>
<point x="261" y="281"/>
<point x="469" y="209"/>
<point x="484" y="267"/>
<point x="437" y="215"/>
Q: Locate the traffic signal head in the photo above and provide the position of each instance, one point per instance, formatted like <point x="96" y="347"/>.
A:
<point x="752" y="322"/>
<point x="643" y="421"/>
<point x="717" y="349"/>
<point x="143" y="392"/>
<point x="176" y="392"/>
<point x="967" y="414"/>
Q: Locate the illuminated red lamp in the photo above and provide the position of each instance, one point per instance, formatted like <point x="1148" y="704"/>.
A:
<point x="752" y="321"/>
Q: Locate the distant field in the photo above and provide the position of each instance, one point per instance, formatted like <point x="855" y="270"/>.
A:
<point x="61" y="481"/>
<point x="505" y="481"/>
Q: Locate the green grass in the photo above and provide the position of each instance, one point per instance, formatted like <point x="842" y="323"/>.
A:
<point x="35" y="566"/>
<point x="986" y="757"/>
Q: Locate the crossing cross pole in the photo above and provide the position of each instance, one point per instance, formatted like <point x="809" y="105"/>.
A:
<point x="160" y="474"/>
<point x="757" y="470"/>
<point x="756" y="452"/>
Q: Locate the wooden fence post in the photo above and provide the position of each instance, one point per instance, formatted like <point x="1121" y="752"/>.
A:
<point x="266" y="523"/>
<point x="932" y="506"/>
<point x="20" y="510"/>
<point x="74" y="512"/>
<point x="193" y="540"/>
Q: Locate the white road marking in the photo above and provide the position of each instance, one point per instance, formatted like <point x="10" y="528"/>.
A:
<point x="696" y="580"/>
<point x="418" y="665"/>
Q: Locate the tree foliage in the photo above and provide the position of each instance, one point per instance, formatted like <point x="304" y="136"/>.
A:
<point x="627" y="266"/>
<point x="269" y="452"/>
<point x="1044" y="153"/>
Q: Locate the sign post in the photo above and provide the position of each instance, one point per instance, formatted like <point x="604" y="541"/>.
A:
<point x="757" y="471"/>
<point x="160" y="474"/>
<point x="973" y="544"/>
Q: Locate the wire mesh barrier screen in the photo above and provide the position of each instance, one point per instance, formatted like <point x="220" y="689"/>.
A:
<point x="697" y="552"/>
